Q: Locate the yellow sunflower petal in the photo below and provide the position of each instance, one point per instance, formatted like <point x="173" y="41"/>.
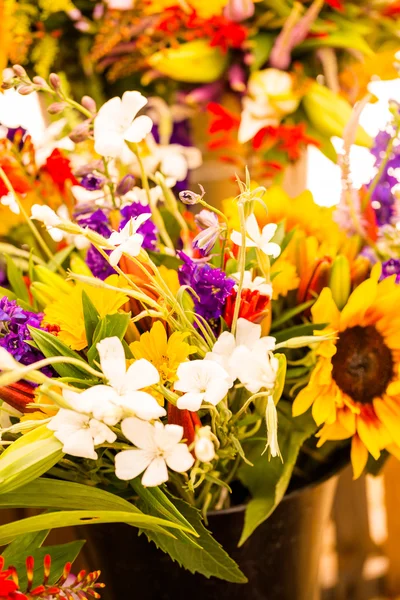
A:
<point x="304" y="400"/>
<point x="359" y="456"/>
<point x="332" y="432"/>
<point x="358" y="304"/>
<point x="347" y="419"/>
<point x="394" y="449"/>
<point x="388" y="412"/>
<point x="325" y="309"/>
<point x="369" y="435"/>
<point x="324" y="407"/>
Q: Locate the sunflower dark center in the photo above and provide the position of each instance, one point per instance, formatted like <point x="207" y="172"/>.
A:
<point x="363" y="364"/>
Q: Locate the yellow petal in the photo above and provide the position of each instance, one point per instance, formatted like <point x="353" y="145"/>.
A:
<point x="369" y="436"/>
<point x="358" y="303"/>
<point x="388" y="411"/>
<point x="323" y="408"/>
<point x="325" y="309"/>
<point x="304" y="400"/>
<point x="359" y="456"/>
<point x="332" y="432"/>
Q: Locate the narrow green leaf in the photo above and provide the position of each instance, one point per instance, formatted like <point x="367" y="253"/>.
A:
<point x="69" y="518"/>
<point x="17" y="283"/>
<point x="51" y="345"/>
<point x="289" y="314"/>
<point x="8" y="293"/>
<point x="51" y="493"/>
<point x="91" y="317"/>
<point x="171" y="262"/>
<point x="28" y="458"/>
<point x="23" y="546"/>
<point x="268" y="480"/>
<point x="262" y="45"/>
<point x="59" y="258"/>
<point x="208" y="558"/>
<point x="109" y="326"/>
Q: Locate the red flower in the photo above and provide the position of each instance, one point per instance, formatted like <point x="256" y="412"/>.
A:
<point x="18" y="395"/>
<point x="290" y="139"/>
<point x="253" y="306"/>
<point x="15" y="175"/>
<point x="337" y="4"/>
<point x="59" y="168"/>
<point x="222" y="119"/>
<point x="185" y="418"/>
<point x="8" y="587"/>
<point x="392" y="10"/>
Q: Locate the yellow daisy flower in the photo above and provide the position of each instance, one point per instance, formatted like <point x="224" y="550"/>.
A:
<point x="166" y="354"/>
<point x="66" y="312"/>
<point x="354" y="389"/>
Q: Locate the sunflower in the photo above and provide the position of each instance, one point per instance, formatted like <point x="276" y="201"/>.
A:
<point x="354" y="389"/>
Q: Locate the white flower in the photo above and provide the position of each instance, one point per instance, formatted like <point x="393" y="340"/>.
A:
<point x="158" y="446"/>
<point x="248" y="335"/>
<point x="270" y="96"/>
<point x="138" y="194"/>
<point x="258" y="284"/>
<point x="116" y="122"/>
<point x="80" y="433"/>
<point x="49" y="140"/>
<point x="173" y="160"/>
<point x="84" y="196"/>
<point x="122" y="397"/>
<point x="79" y="241"/>
<point x="203" y="445"/>
<point x="255" y="370"/>
<point x="203" y="381"/>
<point x="10" y="201"/>
<point x="128" y="240"/>
<point x="46" y="215"/>
<point x="258" y="239"/>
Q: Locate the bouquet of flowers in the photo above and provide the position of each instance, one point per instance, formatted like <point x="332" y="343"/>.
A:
<point x="272" y="76"/>
<point x="161" y="358"/>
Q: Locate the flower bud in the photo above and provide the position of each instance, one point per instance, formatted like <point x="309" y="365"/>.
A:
<point x="55" y="82"/>
<point x="340" y="281"/>
<point x="203" y="445"/>
<point x="80" y="133"/>
<point x="56" y="108"/>
<point x="39" y="81"/>
<point x="125" y="185"/>
<point x="19" y="71"/>
<point x="191" y="198"/>
<point x="7" y="85"/>
<point x="89" y="103"/>
<point x="239" y="10"/>
<point x="25" y="90"/>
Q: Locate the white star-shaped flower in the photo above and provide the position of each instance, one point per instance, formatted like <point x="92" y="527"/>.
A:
<point x="258" y="239"/>
<point x="158" y="447"/>
<point x="128" y="241"/>
<point x="203" y="381"/>
<point x="116" y="122"/>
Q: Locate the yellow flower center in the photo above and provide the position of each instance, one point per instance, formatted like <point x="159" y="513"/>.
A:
<point x="363" y="364"/>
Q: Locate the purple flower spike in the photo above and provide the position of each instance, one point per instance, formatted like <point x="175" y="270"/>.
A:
<point x="391" y="267"/>
<point x="92" y="182"/>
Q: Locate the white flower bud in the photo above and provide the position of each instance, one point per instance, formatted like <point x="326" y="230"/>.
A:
<point x="203" y="445"/>
<point x="46" y="215"/>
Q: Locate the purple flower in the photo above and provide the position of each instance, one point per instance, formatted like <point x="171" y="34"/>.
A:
<point x="391" y="267"/>
<point x="14" y="322"/>
<point x="92" y="182"/>
<point x="211" y="229"/>
<point x="148" y="230"/>
<point x="98" y="222"/>
<point x="211" y="285"/>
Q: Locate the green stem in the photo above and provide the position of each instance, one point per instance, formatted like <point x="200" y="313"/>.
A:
<point x="241" y="266"/>
<point x="110" y="183"/>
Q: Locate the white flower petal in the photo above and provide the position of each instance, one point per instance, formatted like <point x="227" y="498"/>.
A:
<point x="115" y="257"/>
<point x="167" y="436"/>
<point x="130" y="463"/>
<point x="131" y="103"/>
<point x="191" y="401"/>
<point x="140" y="127"/>
<point x="133" y="246"/>
<point x="101" y="433"/>
<point x="271" y="249"/>
<point x="216" y="391"/>
<point x="156" y="473"/>
<point x="179" y="459"/>
<point x="253" y="229"/>
<point x="268" y="232"/>
<point x="112" y="360"/>
<point x="247" y="333"/>
<point x="79" y="443"/>
<point x="141" y="405"/>
<point x="139" y="433"/>
<point x="141" y="374"/>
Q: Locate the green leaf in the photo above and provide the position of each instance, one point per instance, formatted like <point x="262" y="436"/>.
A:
<point x="108" y="326"/>
<point x="51" y="345"/>
<point x="28" y="458"/>
<point x="171" y="262"/>
<point x="67" y="518"/>
<point x="8" y="293"/>
<point x="59" y="258"/>
<point x="268" y="480"/>
<point x="23" y="546"/>
<point x="17" y="283"/>
<point x="262" y="45"/>
<point x="297" y="331"/>
<point x="50" y="493"/>
<point x="91" y="317"/>
<point x="290" y="314"/>
<point x="208" y="558"/>
<point x="338" y="39"/>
